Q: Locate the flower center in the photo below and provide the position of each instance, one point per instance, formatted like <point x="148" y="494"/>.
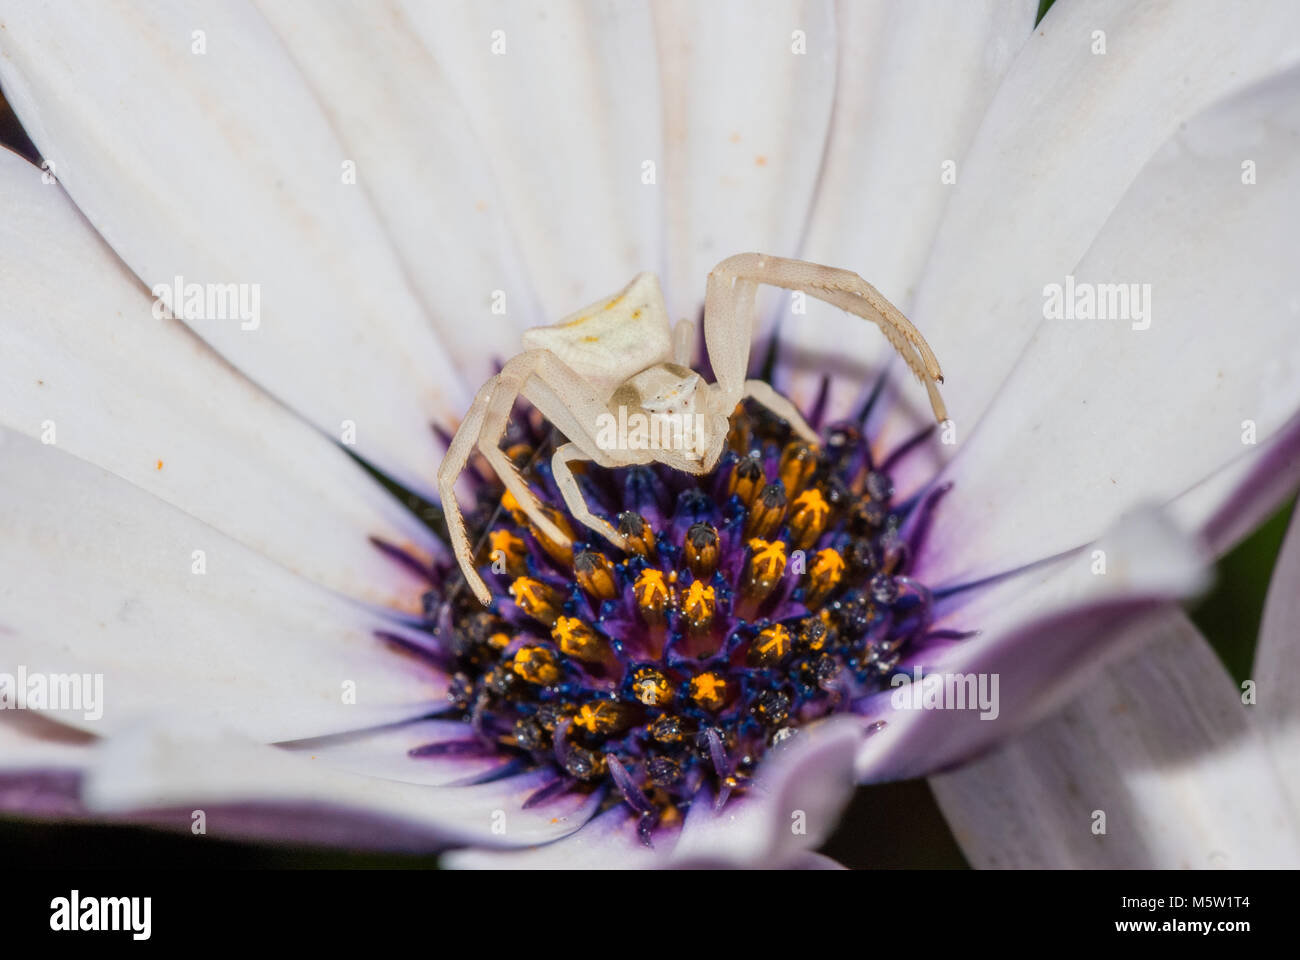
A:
<point x="757" y="598"/>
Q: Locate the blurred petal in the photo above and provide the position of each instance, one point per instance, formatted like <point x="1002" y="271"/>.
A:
<point x="1061" y="144"/>
<point x="565" y="99"/>
<point x="218" y="167"/>
<point x="1161" y="745"/>
<point x="396" y="114"/>
<point x="253" y="792"/>
<point x="746" y="115"/>
<point x="29" y="739"/>
<point x="1277" y="664"/>
<point x="1124" y="411"/>
<point x="1231" y="504"/>
<point x="82" y="355"/>
<point x="101" y="578"/>
<point x="40" y="765"/>
<point x="914" y="82"/>
<point x="1040" y="636"/>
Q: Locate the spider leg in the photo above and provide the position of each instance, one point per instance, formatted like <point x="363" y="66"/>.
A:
<point x="453" y="464"/>
<point x="574" y="499"/>
<point x="684" y="342"/>
<point x="506" y="388"/>
<point x="729" y="306"/>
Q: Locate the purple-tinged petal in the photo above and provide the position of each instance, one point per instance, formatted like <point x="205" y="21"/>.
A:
<point x="1230" y="505"/>
<point x="1277" y="665"/>
<point x="1156" y="765"/>
<point x="431" y="752"/>
<point x="254" y="792"/>
<point x="40" y="765"/>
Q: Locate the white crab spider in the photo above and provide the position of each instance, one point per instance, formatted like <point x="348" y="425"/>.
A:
<point x="622" y="350"/>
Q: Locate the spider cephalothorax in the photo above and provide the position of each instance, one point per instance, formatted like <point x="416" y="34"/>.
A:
<point x="621" y="356"/>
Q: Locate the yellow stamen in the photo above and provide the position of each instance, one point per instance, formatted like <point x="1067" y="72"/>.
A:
<point x="811" y="511"/>
<point x="702" y="550"/>
<point x="699" y="606"/>
<point x="579" y="640"/>
<point x="771" y="646"/>
<point x="824" y="575"/>
<point x="653" y="596"/>
<point x="767" y="512"/>
<point x="536" y="665"/>
<point x="765" y="568"/>
<point x="508" y="550"/>
<point x="536" y="599"/>
<point x="797" y="466"/>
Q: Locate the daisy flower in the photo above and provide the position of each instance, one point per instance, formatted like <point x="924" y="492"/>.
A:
<point x="272" y="250"/>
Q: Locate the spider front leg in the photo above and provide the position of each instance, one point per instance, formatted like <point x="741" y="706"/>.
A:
<point x="573" y="498"/>
<point x="729" y="309"/>
<point x="453" y="465"/>
<point x="506" y="388"/>
<point x="482" y="428"/>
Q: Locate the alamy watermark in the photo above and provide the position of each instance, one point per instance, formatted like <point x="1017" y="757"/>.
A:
<point x="208" y="301"/>
<point x="946" y="691"/>
<point x="74" y="913"/>
<point x="635" y="430"/>
<point x="1098" y="301"/>
<point x="53" y="691"/>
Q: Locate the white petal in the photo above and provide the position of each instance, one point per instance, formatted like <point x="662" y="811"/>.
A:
<point x="101" y="578"/>
<point x="1277" y="663"/>
<point x="82" y="355"/>
<point x="1102" y="414"/>
<point x="252" y="791"/>
<point x="914" y="82"/>
<point x="565" y="99"/>
<point x="745" y="122"/>
<point x="218" y="168"/>
<point x="397" y="116"/>
<point x="1161" y="745"/>
<point x="1065" y="137"/>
